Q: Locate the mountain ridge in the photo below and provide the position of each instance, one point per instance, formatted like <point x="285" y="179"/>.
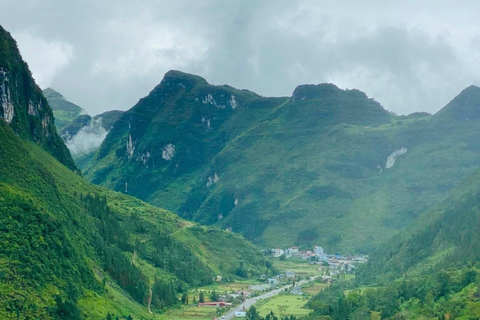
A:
<point x="320" y="163"/>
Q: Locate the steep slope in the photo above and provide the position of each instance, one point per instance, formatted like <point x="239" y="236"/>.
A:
<point x="445" y="236"/>
<point x="429" y="271"/>
<point x="63" y="110"/>
<point x="60" y="234"/>
<point x="174" y="132"/>
<point x="325" y="166"/>
<point x="23" y="105"/>
<point x="72" y="250"/>
<point x="465" y="107"/>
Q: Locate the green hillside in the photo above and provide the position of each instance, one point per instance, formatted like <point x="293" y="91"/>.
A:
<point x="445" y="236"/>
<point x="59" y="229"/>
<point x="63" y="110"/>
<point x="72" y="250"/>
<point x="325" y="166"/>
<point x="429" y="271"/>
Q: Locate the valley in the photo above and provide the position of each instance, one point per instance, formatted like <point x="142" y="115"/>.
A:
<point x="208" y="201"/>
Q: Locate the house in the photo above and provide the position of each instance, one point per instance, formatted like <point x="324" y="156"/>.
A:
<point x="273" y="281"/>
<point x="277" y="252"/>
<point x="318" y="250"/>
<point x="296" y="290"/>
<point x="291" y="250"/>
<point x="290" y="274"/>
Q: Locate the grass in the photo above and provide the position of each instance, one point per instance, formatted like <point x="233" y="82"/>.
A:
<point x="314" y="289"/>
<point x="300" y="267"/>
<point x="189" y="312"/>
<point x="283" y="304"/>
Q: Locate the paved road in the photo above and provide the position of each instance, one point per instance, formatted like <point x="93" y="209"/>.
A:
<point x="251" y="301"/>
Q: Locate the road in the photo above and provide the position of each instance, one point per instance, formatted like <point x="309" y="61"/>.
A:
<point x="251" y="301"/>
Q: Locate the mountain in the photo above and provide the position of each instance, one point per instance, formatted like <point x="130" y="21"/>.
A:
<point x="465" y="107"/>
<point x="64" y="110"/>
<point x="73" y="250"/>
<point x="23" y="105"/>
<point x="104" y="120"/>
<point x="325" y="166"/>
<point x="84" y="135"/>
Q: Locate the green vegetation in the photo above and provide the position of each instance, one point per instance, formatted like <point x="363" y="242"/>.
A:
<point x="59" y="230"/>
<point x="302" y="170"/>
<point x="72" y="250"/>
<point x="284" y="304"/>
<point x="444" y="236"/>
<point x="253" y="314"/>
<point x="446" y="294"/>
<point x="64" y="110"/>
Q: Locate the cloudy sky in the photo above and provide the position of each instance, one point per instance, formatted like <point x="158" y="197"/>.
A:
<point x="107" y="54"/>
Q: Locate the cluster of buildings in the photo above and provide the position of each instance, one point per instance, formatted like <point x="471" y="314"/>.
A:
<point x="336" y="261"/>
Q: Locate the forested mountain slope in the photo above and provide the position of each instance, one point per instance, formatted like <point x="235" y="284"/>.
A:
<point x="72" y="250"/>
<point x="431" y="270"/>
<point x="324" y="166"/>
<point x="445" y="236"/>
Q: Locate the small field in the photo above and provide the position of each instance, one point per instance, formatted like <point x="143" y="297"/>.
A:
<point x="300" y="267"/>
<point x="231" y="286"/>
<point x="190" y="312"/>
<point x="313" y="290"/>
<point x="284" y="305"/>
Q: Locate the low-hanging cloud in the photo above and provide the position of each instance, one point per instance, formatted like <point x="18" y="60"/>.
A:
<point x="409" y="56"/>
<point x="88" y="138"/>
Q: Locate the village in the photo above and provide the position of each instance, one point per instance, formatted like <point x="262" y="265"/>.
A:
<point x="330" y="264"/>
<point x="303" y="274"/>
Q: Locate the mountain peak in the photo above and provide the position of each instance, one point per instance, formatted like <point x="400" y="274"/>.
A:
<point x="323" y="90"/>
<point x="464" y="107"/>
<point x="181" y="78"/>
<point x="50" y="93"/>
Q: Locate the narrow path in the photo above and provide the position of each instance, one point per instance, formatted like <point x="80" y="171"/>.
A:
<point x="251" y="301"/>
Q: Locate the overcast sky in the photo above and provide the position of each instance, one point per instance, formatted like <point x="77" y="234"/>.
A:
<point x="408" y="55"/>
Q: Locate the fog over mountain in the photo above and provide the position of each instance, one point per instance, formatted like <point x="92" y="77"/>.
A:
<point x="103" y="56"/>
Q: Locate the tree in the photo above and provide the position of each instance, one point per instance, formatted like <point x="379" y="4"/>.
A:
<point x="252" y="314"/>
<point x="185" y="298"/>
<point x="214" y="296"/>
<point x="201" y="297"/>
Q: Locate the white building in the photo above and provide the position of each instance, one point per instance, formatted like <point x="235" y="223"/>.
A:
<point x="277" y="252"/>
<point x="320" y="254"/>
<point x="318" y="250"/>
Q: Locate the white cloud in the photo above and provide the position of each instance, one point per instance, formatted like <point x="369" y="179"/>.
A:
<point x="87" y="139"/>
<point x="45" y="58"/>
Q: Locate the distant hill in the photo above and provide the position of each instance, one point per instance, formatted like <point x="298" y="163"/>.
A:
<point x="325" y="166"/>
<point x="63" y="110"/>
